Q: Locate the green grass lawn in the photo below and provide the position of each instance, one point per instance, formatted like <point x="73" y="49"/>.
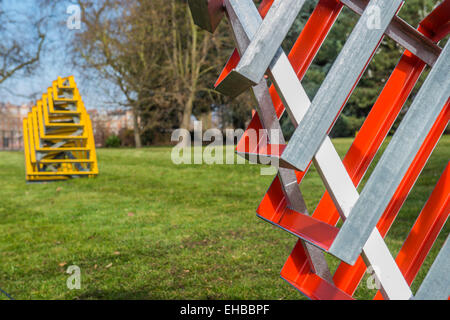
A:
<point x="148" y="229"/>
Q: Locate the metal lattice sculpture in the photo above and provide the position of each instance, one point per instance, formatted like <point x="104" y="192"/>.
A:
<point x="366" y="217"/>
<point x="58" y="137"/>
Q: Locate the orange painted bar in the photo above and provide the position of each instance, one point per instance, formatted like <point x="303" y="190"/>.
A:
<point x="365" y="147"/>
<point x="348" y="277"/>
<point x="359" y="155"/>
<point x="438" y="21"/>
<point x="407" y="72"/>
<point x="425" y="230"/>
<point x="298" y="274"/>
<point x="312" y="230"/>
<point x="234" y="59"/>
<point x="309" y="42"/>
<point x="301" y="57"/>
<point x="274" y="202"/>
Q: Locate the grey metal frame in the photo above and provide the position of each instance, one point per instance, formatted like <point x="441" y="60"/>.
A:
<point x="260" y="50"/>
<point x="207" y="14"/>
<point x="436" y="285"/>
<point x="242" y="35"/>
<point x="404" y="34"/>
<point x="263" y="47"/>
<point x="395" y="161"/>
<point x="338" y="85"/>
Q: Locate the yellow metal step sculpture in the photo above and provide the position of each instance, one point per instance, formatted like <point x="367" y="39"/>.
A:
<point x="58" y="137"/>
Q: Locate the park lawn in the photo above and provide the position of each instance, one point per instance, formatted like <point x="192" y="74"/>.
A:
<point x="148" y="229"/>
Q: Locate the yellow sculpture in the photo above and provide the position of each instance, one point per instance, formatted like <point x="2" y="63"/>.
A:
<point x="58" y="138"/>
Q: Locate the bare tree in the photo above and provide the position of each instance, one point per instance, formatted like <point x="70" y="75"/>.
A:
<point x="152" y="52"/>
<point x="187" y="51"/>
<point x="19" y="51"/>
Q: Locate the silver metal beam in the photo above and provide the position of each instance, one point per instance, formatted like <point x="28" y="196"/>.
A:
<point x="269" y="119"/>
<point x="404" y="34"/>
<point x="395" y="161"/>
<point x="327" y="160"/>
<point x="339" y="83"/>
<point x="436" y="285"/>
<point x="281" y="72"/>
<point x="263" y="47"/>
<point x="207" y="14"/>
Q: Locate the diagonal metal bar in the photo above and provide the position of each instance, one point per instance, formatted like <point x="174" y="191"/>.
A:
<point x="402" y="30"/>
<point x="292" y="91"/>
<point x="344" y="195"/>
<point x="362" y="151"/>
<point x="436" y="285"/>
<point x="404" y="34"/>
<point x="264" y="45"/>
<point x="244" y="75"/>
<point x="395" y="161"/>
<point x="207" y="14"/>
<point x="270" y="122"/>
<point x="339" y="83"/>
<point x="327" y="161"/>
<point x="425" y="231"/>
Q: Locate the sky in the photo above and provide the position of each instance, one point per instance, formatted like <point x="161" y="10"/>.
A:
<point x="54" y="59"/>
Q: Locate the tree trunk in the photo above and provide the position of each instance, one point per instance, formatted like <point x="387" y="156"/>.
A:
<point x="137" y="132"/>
<point x="186" y="121"/>
<point x="206" y="119"/>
